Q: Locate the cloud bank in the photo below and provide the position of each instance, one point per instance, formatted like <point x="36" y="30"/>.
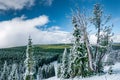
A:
<point x="15" y="32"/>
<point x="15" y="4"/>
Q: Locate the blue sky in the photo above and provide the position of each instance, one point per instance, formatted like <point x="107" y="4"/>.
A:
<point x="56" y="12"/>
<point x="59" y="11"/>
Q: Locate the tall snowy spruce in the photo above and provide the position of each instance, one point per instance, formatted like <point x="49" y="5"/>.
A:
<point x="78" y="65"/>
<point x="29" y="62"/>
<point x="64" y="65"/>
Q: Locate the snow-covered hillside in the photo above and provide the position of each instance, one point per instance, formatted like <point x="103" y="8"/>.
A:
<point x="114" y="76"/>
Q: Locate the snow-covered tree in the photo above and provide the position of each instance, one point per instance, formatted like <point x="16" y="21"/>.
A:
<point x="14" y="73"/>
<point x="39" y="75"/>
<point x="105" y="45"/>
<point x="110" y="71"/>
<point x="5" y="72"/>
<point x="44" y="69"/>
<point x="51" y="70"/>
<point x="79" y="52"/>
<point x="59" y="70"/>
<point x="64" y="67"/>
<point x="21" y="69"/>
<point x="29" y="62"/>
<point x="103" y="36"/>
<point x="48" y="71"/>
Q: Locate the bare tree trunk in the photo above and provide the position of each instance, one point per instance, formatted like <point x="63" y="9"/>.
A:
<point x="98" y="40"/>
<point x="88" y="50"/>
<point x="83" y="23"/>
<point x="96" y="50"/>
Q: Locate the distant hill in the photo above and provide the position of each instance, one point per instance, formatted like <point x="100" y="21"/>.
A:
<point x="44" y="54"/>
<point x="116" y="46"/>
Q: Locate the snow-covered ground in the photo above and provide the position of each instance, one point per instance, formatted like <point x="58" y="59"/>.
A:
<point x="114" y="76"/>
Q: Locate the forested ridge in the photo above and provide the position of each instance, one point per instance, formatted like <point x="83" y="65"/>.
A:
<point x="45" y="53"/>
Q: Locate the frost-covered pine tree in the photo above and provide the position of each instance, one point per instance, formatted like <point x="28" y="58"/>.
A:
<point x="51" y="70"/>
<point x="21" y="68"/>
<point x="47" y="71"/>
<point x="17" y="77"/>
<point x="71" y="64"/>
<point x="78" y="65"/>
<point x="64" y="67"/>
<point x="5" y="72"/>
<point x="29" y="62"/>
<point x="59" y="70"/>
<point x="14" y="73"/>
<point x="39" y="75"/>
<point x="44" y="71"/>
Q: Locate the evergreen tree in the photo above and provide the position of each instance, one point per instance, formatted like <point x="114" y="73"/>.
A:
<point x="64" y="67"/>
<point x="21" y="68"/>
<point x="71" y="64"/>
<point x="39" y="75"/>
<point x="29" y="62"/>
<point x="48" y="71"/>
<point x="51" y="70"/>
<point x="59" y="70"/>
<point x="78" y="54"/>
<point x="14" y="73"/>
<point x="44" y="71"/>
<point x="5" y="72"/>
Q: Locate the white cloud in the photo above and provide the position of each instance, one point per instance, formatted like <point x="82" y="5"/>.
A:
<point x="15" y="4"/>
<point x="115" y="38"/>
<point x="46" y="2"/>
<point x="54" y="28"/>
<point x="15" y="32"/>
<point x="49" y="2"/>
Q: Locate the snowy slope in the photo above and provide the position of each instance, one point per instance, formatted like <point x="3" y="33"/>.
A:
<point x="114" y="76"/>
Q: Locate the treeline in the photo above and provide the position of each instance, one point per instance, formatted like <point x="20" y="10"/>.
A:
<point x="44" y="54"/>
